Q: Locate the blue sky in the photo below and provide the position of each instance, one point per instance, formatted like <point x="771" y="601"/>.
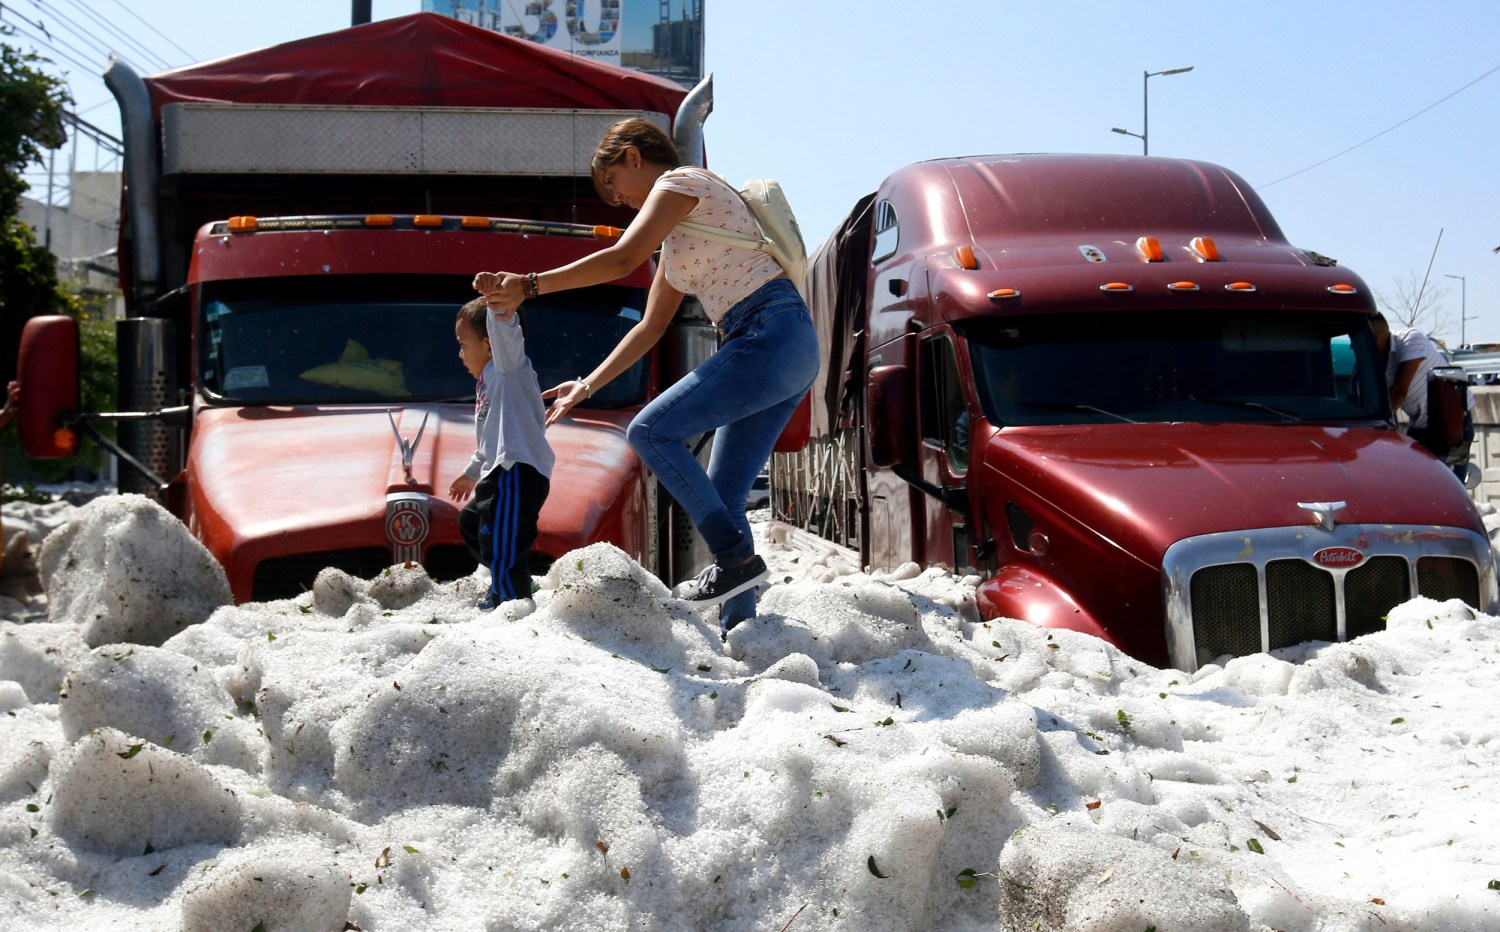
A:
<point x="1370" y="128"/>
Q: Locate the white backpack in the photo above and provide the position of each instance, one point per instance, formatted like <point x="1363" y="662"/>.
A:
<point x="779" y="234"/>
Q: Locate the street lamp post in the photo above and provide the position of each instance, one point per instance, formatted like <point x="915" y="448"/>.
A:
<point x="1144" y="134"/>
<point x="1463" y="308"/>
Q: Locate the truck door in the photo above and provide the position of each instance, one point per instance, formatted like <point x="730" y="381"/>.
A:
<point x="943" y="455"/>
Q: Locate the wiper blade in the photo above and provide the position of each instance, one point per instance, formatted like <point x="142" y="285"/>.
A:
<point x="1077" y="408"/>
<point x="1246" y="406"/>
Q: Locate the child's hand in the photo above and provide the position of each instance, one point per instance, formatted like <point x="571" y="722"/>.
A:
<point x="503" y="292"/>
<point x="461" y="488"/>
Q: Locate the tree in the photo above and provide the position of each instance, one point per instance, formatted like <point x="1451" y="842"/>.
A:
<point x="1417" y="301"/>
<point x="32" y="109"/>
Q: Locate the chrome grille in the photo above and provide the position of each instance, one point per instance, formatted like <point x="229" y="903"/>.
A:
<point x="1238" y="593"/>
<point x="1301" y="604"/>
<point x="1370" y="590"/>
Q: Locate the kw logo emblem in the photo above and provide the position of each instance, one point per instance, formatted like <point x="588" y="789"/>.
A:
<point x="406" y="525"/>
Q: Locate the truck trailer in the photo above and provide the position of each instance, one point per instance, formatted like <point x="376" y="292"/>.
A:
<point x="1109" y="387"/>
<point x="300" y="225"/>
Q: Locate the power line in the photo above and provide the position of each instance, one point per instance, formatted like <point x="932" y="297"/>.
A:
<point x="154" y="59"/>
<point x="1382" y="132"/>
<point x="43" y="41"/>
<point x="82" y="35"/>
<point x="190" y="56"/>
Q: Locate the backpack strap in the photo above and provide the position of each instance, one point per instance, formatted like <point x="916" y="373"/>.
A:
<point x="721" y="235"/>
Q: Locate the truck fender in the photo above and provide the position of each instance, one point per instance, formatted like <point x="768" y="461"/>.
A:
<point x="48" y="373"/>
<point x="1023" y="593"/>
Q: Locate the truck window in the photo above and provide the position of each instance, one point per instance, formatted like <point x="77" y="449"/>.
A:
<point x="1164" y="367"/>
<point x="383" y="341"/>
<point x="887" y="231"/>
<point x="945" y="418"/>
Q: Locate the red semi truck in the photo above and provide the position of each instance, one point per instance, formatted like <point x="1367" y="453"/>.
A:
<point x="1111" y="387"/>
<point x="300" y="225"/>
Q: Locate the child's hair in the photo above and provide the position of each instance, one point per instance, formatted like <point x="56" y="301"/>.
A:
<point x="654" y="145"/>
<point x="473" y="315"/>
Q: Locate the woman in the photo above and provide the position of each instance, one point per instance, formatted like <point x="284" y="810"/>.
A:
<point x="747" y="390"/>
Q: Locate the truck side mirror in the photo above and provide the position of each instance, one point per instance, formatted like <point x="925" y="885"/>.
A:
<point x="890" y="411"/>
<point x="48" y="373"/>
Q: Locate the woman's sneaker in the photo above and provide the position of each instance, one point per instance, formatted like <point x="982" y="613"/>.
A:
<point x="718" y="583"/>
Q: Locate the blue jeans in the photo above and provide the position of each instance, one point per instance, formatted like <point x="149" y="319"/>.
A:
<point x="747" y="392"/>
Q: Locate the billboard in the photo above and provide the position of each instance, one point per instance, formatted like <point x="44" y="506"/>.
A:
<point x="660" y="37"/>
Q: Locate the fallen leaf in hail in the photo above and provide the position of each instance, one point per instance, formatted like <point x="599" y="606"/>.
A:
<point x="1270" y="832"/>
<point x="1093" y="805"/>
<point x="384" y="860"/>
<point x="1104" y="877"/>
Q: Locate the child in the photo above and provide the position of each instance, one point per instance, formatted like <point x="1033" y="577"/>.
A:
<point x="509" y="472"/>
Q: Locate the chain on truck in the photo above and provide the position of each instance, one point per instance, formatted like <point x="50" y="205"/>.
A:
<point x="1111" y="388"/>
<point x="300" y="226"/>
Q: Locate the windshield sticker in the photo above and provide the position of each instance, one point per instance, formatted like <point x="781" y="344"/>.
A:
<point x="246" y="377"/>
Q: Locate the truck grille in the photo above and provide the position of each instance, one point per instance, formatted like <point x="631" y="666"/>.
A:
<point x="1241" y="593"/>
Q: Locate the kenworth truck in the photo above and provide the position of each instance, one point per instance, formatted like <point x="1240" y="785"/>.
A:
<point x="1111" y="388"/>
<point x="300" y="226"/>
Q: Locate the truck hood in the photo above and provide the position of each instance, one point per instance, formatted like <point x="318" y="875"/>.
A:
<point x="1147" y="486"/>
<point x="273" y="480"/>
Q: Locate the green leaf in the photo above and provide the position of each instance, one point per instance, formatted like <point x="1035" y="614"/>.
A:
<point x="661" y="669"/>
<point x="874" y="868"/>
<point x="259" y="926"/>
<point x="306" y="610"/>
<point x="409" y="849"/>
<point x="1397" y="720"/>
<point x="1254" y="845"/>
<point x="1493" y="885"/>
<point x="270" y="636"/>
<point x="886" y="721"/>
<point x="839" y="708"/>
<point x="33" y="807"/>
<point x="965" y="878"/>
<point x="1123" y="720"/>
<point x="580" y="564"/>
<point x="134" y="750"/>
<point x="208" y="736"/>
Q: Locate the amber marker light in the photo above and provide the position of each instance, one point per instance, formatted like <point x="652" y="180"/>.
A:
<point x="1239" y="286"/>
<point x="64" y="439"/>
<point x="964" y="256"/>
<point x="1149" y="249"/>
<point x="243" y="224"/>
<point x="1343" y="289"/>
<point x="1205" y="248"/>
<point x="1117" y="287"/>
<point x="1183" y="286"/>
<point x="379" y="220"/>
<point x="607" y="232"/>
<point x="426" y="220"/>
<point x="1000" y="294"/>
<point x="475" y="223"/>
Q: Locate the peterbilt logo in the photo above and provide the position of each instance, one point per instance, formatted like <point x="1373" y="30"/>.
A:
<point x="1339" y="558"/>
<point x="406" y="525"/>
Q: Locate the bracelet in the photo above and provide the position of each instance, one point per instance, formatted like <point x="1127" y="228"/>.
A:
<point x="588" y="391"/>
<point x="532" y="290"/>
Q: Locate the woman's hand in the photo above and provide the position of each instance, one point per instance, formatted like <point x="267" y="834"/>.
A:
<point x="503" y="292"/>
<point x="564" y="396"/>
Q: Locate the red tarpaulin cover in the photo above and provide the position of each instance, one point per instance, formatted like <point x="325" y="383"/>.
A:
<point x="421" y="60"/>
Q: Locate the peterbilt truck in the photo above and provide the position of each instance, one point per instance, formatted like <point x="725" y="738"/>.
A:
<point x="300" y="225"/>
<point x="1111" y="388"/>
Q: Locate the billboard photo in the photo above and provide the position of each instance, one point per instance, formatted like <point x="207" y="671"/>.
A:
<point x="660" y="37"/>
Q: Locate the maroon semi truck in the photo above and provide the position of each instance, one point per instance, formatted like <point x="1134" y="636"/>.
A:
<point x="1110" y="387"/>
<point x="300" y="226"/>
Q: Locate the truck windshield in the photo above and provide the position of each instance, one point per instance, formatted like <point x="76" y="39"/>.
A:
<point x="1169" y="367"/>
<point x="371" y="341"/>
